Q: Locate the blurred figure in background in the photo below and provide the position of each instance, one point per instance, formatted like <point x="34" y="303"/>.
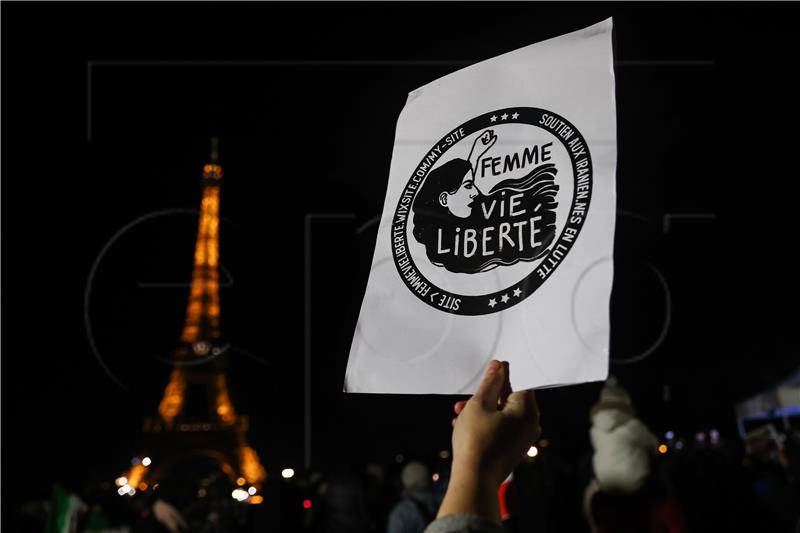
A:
<point x="418" y="507"/>
<point x="623" y="496"/>
<point x="342" y="507"/>
<point x="379" y="495"/>
<point x="622" y="443"/>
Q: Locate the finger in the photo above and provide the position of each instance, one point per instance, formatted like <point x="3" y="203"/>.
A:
<point x="454" y="422"/>
<point x="489" y="390"/>
<point x="506" y="390"/>
<point x="459" y="406"/>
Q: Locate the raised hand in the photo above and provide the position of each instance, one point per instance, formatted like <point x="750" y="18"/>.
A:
<point x="486" y="140"/>
<point x="491" y="433"/>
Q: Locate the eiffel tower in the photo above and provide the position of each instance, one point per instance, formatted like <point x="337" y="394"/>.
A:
<point x="196" y="418"/>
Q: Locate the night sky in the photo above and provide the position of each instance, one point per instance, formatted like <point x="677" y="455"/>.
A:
<point x="107" y="113"/>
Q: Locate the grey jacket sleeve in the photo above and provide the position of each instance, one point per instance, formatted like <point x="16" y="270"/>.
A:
<point x="463" y="523"/>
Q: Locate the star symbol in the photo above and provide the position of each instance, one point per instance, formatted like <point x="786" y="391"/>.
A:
<point x="515" y="116"/>
<point x="492" y="303"/>
<point x="504" y="298"/>
<point x="493" y="118"/>
<point x="517" y="292"/>
<point x="504" y="116"/>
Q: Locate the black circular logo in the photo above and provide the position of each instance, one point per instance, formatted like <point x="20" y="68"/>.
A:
<point x="485" y="213"/>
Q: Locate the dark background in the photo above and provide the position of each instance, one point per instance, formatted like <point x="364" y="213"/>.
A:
<point x="107" y="111"/>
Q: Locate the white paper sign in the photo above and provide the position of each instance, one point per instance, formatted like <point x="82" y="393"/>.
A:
<point x="496" y="238"/>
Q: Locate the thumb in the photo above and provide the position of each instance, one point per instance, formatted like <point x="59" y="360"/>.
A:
<point x="492" y="385"/>
<point x="522" y="405"/>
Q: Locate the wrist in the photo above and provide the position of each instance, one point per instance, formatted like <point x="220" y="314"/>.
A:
<point x="476" y="472"/>
<point x="471" y="491"/>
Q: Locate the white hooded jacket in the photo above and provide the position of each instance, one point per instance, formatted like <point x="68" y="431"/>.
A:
<point x="622" y="446"/>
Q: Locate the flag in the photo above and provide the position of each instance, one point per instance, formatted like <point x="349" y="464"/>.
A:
<point x="496" y="237"/>
<point x="65" y="512"/>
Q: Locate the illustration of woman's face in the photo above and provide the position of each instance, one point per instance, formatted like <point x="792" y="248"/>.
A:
<point x="460" y="202"/>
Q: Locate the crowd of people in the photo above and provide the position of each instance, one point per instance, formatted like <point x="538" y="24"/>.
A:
<point x="500" y="476"/>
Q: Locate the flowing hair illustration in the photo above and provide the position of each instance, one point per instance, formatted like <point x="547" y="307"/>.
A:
<point x="433" y="216"/>
<point x="541" y="180"/>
